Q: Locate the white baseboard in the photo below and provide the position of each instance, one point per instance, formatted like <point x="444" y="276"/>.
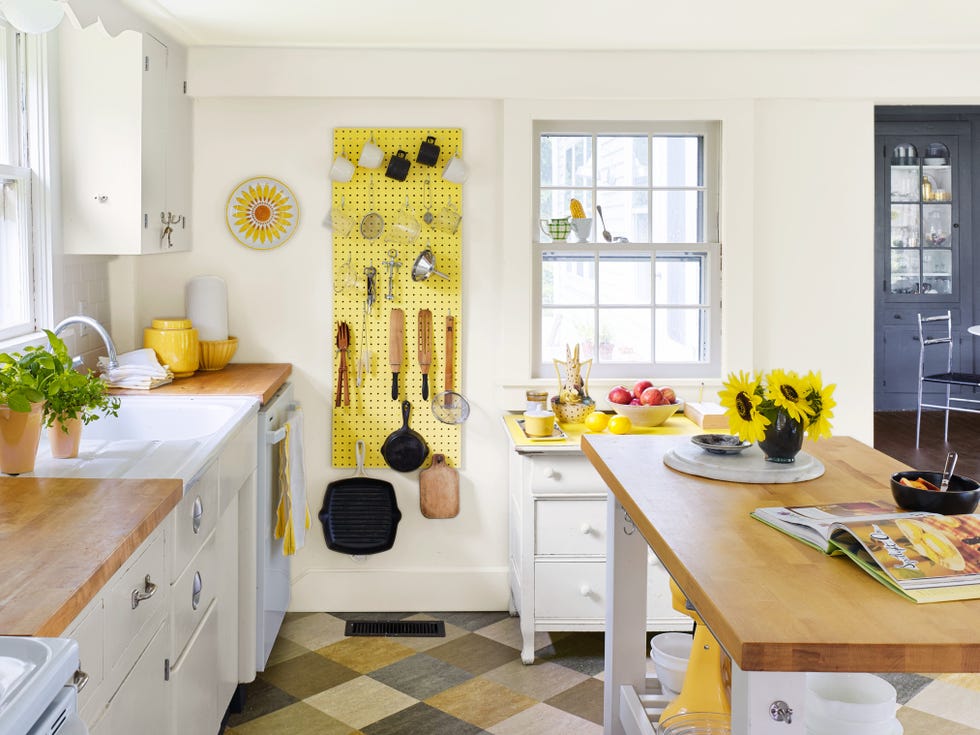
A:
<point x="399" y="590"/>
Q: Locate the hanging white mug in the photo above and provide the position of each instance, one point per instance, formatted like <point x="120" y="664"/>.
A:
<point x="455" y="170"/>
<point x="371" y="155"/>
<point x="342" y="170"/>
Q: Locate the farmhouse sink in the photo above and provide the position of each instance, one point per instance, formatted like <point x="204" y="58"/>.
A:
<point x="152" y="437"/>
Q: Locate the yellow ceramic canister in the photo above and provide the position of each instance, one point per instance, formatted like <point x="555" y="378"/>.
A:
<point x="539" y="423"/>
<point x="175" y="343"/>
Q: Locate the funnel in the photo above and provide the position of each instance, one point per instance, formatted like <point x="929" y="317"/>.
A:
<point x="425" y="266"/>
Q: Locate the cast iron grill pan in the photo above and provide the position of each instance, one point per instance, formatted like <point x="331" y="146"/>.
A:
<point x="359" y="516"/>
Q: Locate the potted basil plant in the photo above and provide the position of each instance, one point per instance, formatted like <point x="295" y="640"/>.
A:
<point x="72" y="400"/>
<point x="23" y="377"/>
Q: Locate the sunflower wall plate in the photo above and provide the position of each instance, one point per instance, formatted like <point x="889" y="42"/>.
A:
<point x="262" y="213"/>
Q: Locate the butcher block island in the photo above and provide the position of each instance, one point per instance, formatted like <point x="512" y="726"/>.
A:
<point x="778" y="607"/>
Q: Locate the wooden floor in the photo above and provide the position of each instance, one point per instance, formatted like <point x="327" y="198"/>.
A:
<point x="895" y="436"/>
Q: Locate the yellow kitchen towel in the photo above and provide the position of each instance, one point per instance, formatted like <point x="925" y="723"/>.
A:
<point x="292" y="513"/>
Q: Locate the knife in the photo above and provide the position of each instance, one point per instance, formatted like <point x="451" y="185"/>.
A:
<point x="425" y="349"/>
<point x="396" y="339"/>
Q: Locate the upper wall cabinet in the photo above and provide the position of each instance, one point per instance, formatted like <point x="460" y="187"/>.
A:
<point x="125" y="143"/>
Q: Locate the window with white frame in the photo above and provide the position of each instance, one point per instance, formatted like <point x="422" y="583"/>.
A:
<point x="22" y="269"/>
<point x="639" y="290"/>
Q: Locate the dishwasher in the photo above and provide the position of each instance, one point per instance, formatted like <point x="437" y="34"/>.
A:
<point x="272" y="574"/>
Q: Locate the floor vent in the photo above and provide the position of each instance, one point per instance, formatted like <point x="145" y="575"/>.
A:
<point x="397" y="628"/>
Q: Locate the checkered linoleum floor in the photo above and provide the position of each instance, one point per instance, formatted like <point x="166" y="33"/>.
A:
<point x="472" y="681"/>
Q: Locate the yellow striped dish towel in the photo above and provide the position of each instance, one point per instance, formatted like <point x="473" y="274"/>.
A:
<point x="292" y="487"/>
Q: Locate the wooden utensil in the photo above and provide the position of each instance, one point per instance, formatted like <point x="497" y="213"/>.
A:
<point x="343" y="384"/>
<point x="450" y="353"/>
<point x="425" y="349"/>
<point x="439" y="489"/>
<point x="396" y="346"/>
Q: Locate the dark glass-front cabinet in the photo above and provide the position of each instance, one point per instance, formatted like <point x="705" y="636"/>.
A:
<point x="923" y="261"/>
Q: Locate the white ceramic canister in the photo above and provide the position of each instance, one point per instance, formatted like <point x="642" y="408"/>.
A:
<point x="206" y="305"/>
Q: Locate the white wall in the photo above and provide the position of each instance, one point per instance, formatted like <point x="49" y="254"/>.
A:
<point x="797" y="229"/>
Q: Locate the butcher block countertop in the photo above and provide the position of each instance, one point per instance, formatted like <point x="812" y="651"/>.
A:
<point x="61" y="539"/>
<point x="260" y="380"/>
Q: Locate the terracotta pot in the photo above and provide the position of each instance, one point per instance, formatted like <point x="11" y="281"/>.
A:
<point x="64" y="444"/>
<point x="20" y="434"/>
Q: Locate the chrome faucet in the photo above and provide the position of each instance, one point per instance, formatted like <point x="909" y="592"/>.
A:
<point x="99" y="329"/>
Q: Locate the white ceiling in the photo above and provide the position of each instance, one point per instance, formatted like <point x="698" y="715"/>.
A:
<point x="572" y="24"/>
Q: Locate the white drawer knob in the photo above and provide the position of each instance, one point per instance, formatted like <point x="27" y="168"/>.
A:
<point x="585" y="590"/>
<point x="551" y="473"/>
<point x="586" y="528"/>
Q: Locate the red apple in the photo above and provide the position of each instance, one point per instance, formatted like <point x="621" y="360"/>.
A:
<point x="669" y="395"/>
<point x="635" y="402"/>
<point x="620" y="394"/>
<point x="651" y="397"/>
<point x="641" y="386"/>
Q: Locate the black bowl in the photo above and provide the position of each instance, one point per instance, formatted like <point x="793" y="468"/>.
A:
<point x="962" y="496"/>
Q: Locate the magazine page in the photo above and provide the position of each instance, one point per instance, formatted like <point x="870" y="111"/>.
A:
<point x="917" y="553"/>
<point x="813" y="524"/>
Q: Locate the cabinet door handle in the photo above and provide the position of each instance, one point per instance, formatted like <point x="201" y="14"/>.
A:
<point x="79" y="679"/>
<point x="149" y="589"/>
<point x="196" y="591"/>
<point x="197" y="514"/>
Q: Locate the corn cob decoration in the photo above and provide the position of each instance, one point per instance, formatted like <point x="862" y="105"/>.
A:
<point x="578" y="212"/>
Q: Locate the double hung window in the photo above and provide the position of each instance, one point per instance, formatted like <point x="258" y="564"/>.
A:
<point x="22" y="268"/>
<point x="639" y="289"/>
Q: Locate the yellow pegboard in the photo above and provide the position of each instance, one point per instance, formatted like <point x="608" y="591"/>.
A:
<point x="372" y="414"/>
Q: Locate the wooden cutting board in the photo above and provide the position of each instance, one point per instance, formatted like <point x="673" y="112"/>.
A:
<point x="439" y="489"/>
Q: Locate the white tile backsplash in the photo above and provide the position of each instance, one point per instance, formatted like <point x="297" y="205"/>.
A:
<point x="84" y="290"/>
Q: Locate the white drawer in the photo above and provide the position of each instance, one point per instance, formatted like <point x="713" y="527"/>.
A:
<point x="192" y="594"/>
<point x="570" y="590"/>
<point x="570" y="527"/>
<point x="146" y="578"/>
<point x="577" y="591"/>
<point x="564" y="474"/>
<point x="194" y="518"/>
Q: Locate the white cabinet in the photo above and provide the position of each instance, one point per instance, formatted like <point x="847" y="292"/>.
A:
<point x="557" y="567"/>
<point x="125" y="143"/>
<point x="161" y="640"/>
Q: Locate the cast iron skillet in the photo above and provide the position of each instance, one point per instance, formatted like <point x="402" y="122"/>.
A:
<point x="405" y="449"/>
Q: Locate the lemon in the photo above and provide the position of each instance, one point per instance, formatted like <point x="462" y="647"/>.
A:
<point x="620" y="425"/>
<point x="596" y="421"/>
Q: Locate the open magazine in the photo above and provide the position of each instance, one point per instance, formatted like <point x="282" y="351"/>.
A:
<point x="924" y="556"/>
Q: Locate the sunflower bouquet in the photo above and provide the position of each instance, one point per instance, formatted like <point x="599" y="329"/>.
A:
<point x="753" y="402"/>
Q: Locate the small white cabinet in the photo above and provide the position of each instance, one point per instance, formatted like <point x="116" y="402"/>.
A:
<point x="557" y="567"/>
<point x="125" y="143"/>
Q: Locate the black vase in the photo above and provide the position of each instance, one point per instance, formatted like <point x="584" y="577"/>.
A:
<point x="784" y="438"/>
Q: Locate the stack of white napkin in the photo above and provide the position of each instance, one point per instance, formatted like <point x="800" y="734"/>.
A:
<point x="137" y="369"/>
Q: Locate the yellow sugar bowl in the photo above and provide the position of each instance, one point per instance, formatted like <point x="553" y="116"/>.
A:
<point x="539" y="423"/>
<point x="175" y="342"/>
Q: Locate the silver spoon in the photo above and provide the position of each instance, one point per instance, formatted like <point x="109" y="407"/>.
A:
<point x="948" y="471"/>
<point x="606" y="235"/>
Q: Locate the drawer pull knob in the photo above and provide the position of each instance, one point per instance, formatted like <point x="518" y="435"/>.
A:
<point x="586" y="528"/>
<point x="552" y="474"/>
<point x="585" y="590"/>
<point x="197" y="514"/>
<point x="196" y="590"/>
<point x="149" y="589"/>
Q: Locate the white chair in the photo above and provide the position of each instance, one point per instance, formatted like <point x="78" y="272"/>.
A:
<point x="941" y="334"/>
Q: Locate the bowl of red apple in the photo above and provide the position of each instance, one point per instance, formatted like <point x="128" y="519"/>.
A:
<point x="645" y="404"/>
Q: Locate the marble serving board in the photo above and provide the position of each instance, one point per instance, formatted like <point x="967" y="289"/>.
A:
<point x="747" y="466"/>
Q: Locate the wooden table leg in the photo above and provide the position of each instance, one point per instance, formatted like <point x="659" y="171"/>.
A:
<point x="626" y="608"/>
